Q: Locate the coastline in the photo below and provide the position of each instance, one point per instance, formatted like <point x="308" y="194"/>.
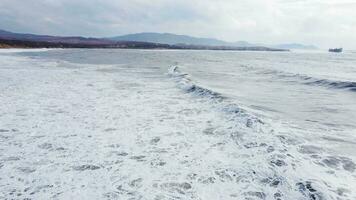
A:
<point x="31" y="44"/>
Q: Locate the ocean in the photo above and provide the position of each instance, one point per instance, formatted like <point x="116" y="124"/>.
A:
<point x="177" y="124"/>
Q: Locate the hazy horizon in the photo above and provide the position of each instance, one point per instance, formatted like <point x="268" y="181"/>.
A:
<point x="325" y="24"/>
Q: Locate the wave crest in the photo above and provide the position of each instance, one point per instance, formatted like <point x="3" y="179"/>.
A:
<point x="309" y="80"/>
<point x="218" y="100"/>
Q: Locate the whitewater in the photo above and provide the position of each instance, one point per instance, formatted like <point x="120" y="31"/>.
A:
<point x="175" y="124"/>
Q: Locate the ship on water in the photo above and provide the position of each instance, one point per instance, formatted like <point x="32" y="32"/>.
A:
<point x="336" y="50"/>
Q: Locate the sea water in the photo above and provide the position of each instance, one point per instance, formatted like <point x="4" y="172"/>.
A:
<point x="165" y="124"/>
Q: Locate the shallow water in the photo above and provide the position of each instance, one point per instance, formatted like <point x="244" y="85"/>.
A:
<point x="134" y="124"/>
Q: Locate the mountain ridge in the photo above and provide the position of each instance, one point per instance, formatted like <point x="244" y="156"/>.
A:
<point x="295" y="46"/>
<point x="172" y="39"/>
<point x="48" y="38"/>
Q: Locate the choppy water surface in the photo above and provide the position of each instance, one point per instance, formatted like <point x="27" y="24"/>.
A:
<point x="134" y="124"/>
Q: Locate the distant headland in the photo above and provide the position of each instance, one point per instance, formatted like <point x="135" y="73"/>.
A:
<point x="134" y="41"/>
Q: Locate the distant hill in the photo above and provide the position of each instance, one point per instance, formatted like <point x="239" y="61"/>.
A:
<point x="54" y="39"/>
<point x="172" y="39"/>
<point x="295" y="46"/>
<point x="168" y="38"/>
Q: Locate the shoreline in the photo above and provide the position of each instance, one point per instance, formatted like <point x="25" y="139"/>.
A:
<point x="29" y="44"/>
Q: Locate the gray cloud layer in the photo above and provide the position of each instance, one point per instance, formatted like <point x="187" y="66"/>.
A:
<point x="321" y="22"/>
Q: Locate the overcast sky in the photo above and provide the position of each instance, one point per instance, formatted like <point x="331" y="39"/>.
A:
<point x="326" y="23"/>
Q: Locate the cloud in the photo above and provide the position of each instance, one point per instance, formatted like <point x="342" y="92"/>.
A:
<point x="323" y="22"/>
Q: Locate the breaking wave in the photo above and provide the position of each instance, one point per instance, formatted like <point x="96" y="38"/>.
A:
<point x="334" y="84"/>
<point x="219" y="101"/>
<point x="188" y="85"/>
<point x="276" y="160"/>
<point x="347" y="85"/>
<point x="308" y="80"/>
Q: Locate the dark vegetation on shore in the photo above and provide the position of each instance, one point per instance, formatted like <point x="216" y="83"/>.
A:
<point x="122" y="45"/>
<point x="42" y="44"/>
